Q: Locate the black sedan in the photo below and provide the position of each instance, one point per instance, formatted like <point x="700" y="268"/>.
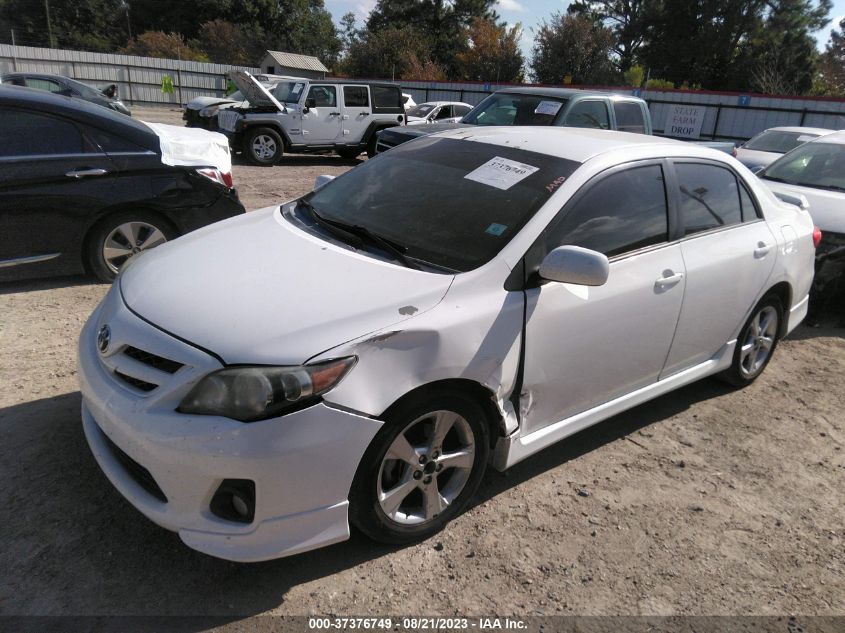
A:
<point x="83" y="189"/>
<point x="65" y="86"/>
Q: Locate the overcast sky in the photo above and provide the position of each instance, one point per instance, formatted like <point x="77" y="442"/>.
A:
<point x="530" y="13"/>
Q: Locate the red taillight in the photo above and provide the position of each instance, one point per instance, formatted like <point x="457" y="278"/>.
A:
<point x="817" y="236"/>
<point x="217" y="176"/>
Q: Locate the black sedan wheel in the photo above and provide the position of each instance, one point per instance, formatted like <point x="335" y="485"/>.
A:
<point x="122" y="236"/>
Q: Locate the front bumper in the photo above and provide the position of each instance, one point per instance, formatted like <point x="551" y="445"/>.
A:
<point x="302" y="464"/>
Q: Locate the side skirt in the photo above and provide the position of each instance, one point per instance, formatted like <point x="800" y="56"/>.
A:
<point x="514" y="448"/>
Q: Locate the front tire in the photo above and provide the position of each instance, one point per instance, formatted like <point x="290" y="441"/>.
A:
<point x="421" y="469"/>
<point x="263" y="146"/>
<point x="756" y="342"/>
<point x="121" y="236"/>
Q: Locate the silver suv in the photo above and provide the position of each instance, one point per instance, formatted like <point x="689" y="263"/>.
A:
<point x="303" y="115"/>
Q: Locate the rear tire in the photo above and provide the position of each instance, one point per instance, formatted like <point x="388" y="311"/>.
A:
<point x="263" y="146"/>
<point x="119" y="237"/>
<point x="421" y="469"/>
<point x="756" y="342"/>
<point x="371" y="145"/>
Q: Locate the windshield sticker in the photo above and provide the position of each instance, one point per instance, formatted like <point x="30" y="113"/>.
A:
<point x="297" y="88"/>
<point x="501" y="173"/>
<point x="548" y="107"/>
<point x="496" y="229"/>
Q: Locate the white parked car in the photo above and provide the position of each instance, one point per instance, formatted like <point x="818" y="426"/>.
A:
<point x="438" y="112"/>
<point x="816" y="171"/>
<point x="408" y="101"/>
<point x="361" y="353"/>
<point x="769" y="145"/>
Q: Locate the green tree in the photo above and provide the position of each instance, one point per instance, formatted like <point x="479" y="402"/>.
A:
<point x="94" y="25"/>
<point x="784" y="48"/>
<point x="349" y="32"/>
<point x="442" y="21"/>
<point x="575" y="46"/>
<point x="830" y="79"/>
<point x="227" y="43"/>
<point x="493" y="53"/>
<point x="628" y="19"/>
<point x="706" y="42"/>
<point x="164" y="45"/>
<point x="398" y="53"/>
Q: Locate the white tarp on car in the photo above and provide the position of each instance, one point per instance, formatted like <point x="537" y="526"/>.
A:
<point x="192" y="147"/>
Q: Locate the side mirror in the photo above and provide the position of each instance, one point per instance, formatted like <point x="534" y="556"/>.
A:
<point x="310" y="102"/>
<point x="575" y="265"/>
<point x="319" y="181"/>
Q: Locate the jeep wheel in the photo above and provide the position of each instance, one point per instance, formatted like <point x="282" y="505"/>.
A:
<point x="263" y="146"/>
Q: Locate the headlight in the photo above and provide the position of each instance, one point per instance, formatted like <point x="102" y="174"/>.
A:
<point x="257" y="393"/>
<point x="209" y="111"/>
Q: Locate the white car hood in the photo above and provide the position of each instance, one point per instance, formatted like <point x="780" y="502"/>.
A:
<point x="191" y="146"/>
<point x="827" y="208"/>
<point x="198" y="103"/>
<point x="256" y="289"/>
<point x="253" y="90"/>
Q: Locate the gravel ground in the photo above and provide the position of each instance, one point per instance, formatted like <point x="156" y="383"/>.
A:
<point x="705" y="501"/>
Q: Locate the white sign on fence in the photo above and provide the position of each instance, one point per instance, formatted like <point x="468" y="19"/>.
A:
<point x="684" y="121"/>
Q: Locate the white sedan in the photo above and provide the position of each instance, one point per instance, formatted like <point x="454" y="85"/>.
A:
<point x="769" y="145"/>
<point x="362" y="353"/>
<point x="438" y="112"/>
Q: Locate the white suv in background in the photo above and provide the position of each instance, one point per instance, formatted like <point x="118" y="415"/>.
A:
<point x="309" y="115"/>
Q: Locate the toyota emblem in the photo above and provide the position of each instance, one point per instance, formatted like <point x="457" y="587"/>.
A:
<point x="103" y="339"/>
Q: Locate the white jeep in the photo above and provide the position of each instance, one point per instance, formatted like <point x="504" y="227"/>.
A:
<point x="309" y="115"/>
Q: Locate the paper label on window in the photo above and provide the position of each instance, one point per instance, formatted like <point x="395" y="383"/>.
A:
<point x="548" y="107"/>
<point x="501" y="173"/>
<point x="804" y="138"/>
<point x="297" y="88"/>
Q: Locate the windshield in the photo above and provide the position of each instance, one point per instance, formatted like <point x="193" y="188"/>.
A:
<point x="778" y="142"/>
<point x="820" y="165"/>
<point x="236" y="96"/>
<point x="484" y="195"/>
<point x="515" y="109"/>
<point x="289" y="91"/>
<point x="421" y="110"/>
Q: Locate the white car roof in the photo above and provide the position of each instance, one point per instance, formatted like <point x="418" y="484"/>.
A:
<point x="577" y="144"/>
<point x="798" y="130"/>
<point x="833" y="137"/>
<point x="440" y="103"/>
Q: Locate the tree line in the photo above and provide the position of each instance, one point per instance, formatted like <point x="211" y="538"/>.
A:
<point x="757" y="45"/>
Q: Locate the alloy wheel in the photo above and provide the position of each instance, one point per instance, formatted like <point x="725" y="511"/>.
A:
<point x="425" y="468"/>
<point x="758" y="341"/>
<point x="129" y="239"/>
<point x="264" y="147"/>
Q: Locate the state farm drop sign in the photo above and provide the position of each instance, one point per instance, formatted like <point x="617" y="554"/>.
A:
<point x="684" y="121"/>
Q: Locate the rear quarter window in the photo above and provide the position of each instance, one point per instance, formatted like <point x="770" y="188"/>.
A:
<point x="387" y="98"/>
<point x="629" y="117"/>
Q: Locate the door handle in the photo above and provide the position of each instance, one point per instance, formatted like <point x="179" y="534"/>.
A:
<point x="762" y="250"/>
<point x="668" y="280"/>
<point x="334" y="113"/>
<point x="85" y="173"/>
<point x="364" y="114"/>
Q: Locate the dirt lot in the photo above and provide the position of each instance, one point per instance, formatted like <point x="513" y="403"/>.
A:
<point x="705" y="501"/>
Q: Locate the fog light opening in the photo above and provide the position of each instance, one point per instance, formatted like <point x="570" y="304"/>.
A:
<point x="234" y="501"/>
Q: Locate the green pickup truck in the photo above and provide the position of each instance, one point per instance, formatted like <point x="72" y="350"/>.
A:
<point x="546" y="106"/>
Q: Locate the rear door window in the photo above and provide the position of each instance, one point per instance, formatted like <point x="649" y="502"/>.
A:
<point x="31" y="134"/>
<point x="356" y="97"/>
<point x="709" y="197"/>
<point x="622" y="212"/>
<point x="629" y="117"/>
<point x="590" y="113"/>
